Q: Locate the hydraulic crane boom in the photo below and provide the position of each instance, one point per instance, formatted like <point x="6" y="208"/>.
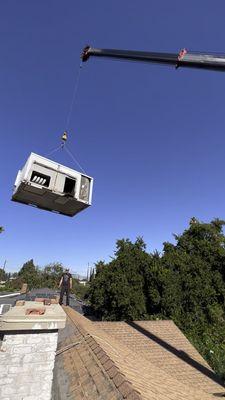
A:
<point x="182" y="59"/>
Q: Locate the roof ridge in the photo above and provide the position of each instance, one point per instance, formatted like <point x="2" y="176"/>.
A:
<point x="122" y="384"/>
<point x="121" y="365"/>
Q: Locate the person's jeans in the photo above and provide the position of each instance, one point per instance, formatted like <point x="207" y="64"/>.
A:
<point x="64" y="289"/>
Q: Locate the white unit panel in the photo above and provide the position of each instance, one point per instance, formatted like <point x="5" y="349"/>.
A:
<point x="51" y="186"/>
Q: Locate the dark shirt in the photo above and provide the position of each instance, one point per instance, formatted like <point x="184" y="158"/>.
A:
<point x="66" y="279"/>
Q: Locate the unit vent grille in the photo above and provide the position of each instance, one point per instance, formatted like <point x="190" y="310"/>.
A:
<point x="40" y="179"/>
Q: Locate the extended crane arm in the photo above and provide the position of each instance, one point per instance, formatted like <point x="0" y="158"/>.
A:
<point x="182" y="59"/>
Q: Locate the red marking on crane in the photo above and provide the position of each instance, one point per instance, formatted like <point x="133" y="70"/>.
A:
<point x="182" y="54"/>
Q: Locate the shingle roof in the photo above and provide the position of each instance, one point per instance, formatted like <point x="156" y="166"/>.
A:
<point x="78" y="374"/>
<point x="135" y="365"/>
<point x="164" y="345"/>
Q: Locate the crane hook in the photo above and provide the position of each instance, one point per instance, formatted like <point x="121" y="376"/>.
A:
<point x="64" y="138"/>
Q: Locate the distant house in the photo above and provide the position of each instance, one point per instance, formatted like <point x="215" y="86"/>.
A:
<point x="78" y="276"/>
<point x="83" y="282"/>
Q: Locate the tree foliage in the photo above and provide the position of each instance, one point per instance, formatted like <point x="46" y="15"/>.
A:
<point x="29" y="273"/>
<point x="3" y="275"/>
<point x="80" y="291"/>
<point x="185" y="283"/>
<point x="51" y="275"/>
<point x="117" y="292"/>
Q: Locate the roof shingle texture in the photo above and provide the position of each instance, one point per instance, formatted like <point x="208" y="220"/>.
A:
<point x="78" y="374"/>
<point x="164" y="345"/>
<point x="144" y="360"/>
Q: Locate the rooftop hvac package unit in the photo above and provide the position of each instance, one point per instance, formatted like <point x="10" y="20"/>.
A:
<point x="51" y="186"/>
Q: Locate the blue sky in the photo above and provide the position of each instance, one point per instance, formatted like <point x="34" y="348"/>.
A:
<point x="152" y="137"/>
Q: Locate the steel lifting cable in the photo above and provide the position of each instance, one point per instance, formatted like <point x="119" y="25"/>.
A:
<point x="64" y="136"/>
<point x="73" y="158"/>
<point x="53" y="151"/>
<point x="64" y="146"/>
<point x="74" y="97"/>
<point x="73" y="101"/>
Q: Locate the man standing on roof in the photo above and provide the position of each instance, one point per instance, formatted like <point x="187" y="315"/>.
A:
<point x="65" y="285"/>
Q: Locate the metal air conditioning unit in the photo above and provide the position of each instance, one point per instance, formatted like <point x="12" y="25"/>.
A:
<point x="51" y="186"/>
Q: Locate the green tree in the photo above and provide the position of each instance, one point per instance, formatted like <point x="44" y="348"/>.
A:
<point x="30" y="274"/>
<point x="51" y="275"/>
<point x="197" y="263"/>
<point x="117" y="291"/>
<point x="195" y="297"/>
<point x="80" y="291"/>
<point x="186" y="283"/>
<point x="3" y="275"/>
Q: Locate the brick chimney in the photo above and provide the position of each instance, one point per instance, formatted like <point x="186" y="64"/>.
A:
<point x="29" y="334"/>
